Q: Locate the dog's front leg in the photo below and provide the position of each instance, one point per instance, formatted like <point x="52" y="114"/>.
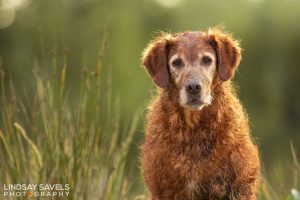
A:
<point x="246" y="167"/>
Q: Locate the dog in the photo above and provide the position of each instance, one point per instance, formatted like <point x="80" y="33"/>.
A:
<point x="197" y="143"/>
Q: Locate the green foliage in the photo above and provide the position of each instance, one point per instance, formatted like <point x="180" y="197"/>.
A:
<point x="271" y="191"/>
<point x="46" y="139"/>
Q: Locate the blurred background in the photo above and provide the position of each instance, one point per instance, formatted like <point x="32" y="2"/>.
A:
<point x="268" y="76"/>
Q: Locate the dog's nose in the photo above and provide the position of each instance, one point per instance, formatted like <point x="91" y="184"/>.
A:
<point x="193" y="88"/>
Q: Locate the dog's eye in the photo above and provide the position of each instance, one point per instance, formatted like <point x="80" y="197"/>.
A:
<point x="206" y="60"/>
<point x="178" y="63"/>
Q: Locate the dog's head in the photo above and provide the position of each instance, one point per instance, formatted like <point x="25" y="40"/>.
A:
<point x="190" y="62"/>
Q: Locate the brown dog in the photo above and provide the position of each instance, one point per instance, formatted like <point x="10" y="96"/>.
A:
<point x="197" y="144"/>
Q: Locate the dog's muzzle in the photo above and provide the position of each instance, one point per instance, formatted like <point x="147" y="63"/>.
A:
<point x="193" y="88"/>
<point x="193" y="94"/>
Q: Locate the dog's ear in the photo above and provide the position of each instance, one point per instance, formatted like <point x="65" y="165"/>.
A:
<point x="155" y="60"/>
<point x="228" y="53"/>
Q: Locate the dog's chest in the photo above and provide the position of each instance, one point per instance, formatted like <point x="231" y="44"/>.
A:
<point x="194" y="146"/>
<point x="190" y="159"/>
<point x="203" y="177"/>
<point x="199" y="162"/>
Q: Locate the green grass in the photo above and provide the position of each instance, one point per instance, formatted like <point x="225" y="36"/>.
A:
<point x="280" y="190"/>
<point x="48" y="137"/>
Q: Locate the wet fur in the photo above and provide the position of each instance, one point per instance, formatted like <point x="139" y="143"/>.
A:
<point x="200" y="155"/>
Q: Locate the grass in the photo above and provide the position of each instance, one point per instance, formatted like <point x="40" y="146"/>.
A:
<point x="282" y="191"/>
<point x="46" y="139"/>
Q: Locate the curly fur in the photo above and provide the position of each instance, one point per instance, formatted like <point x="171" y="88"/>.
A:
<point x="205" y="154"/>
